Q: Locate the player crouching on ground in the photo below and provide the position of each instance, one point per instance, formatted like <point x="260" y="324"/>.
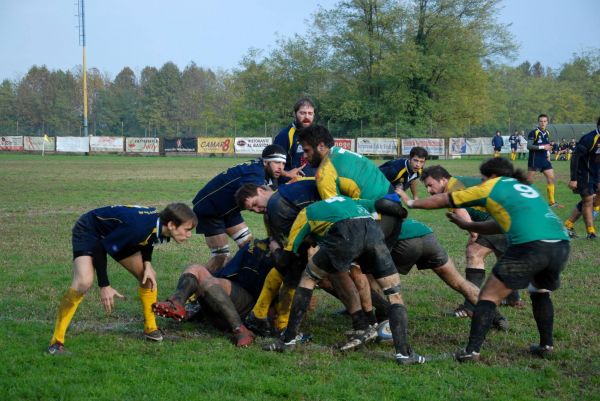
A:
<point x="538" y="250"/>
<point x="127" y="234"/>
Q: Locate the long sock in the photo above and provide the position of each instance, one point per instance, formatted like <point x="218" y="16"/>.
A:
<point x="483" y="317"/>
<point x="148" y="297"/>
<point x="399" y="328"/>
<point x="186" y="286"/>
<point x="267" y="294"/>
<point x="220" y="302"/>
<point x="569" y="224"/>
<point x="371" y="317"/>
<point x="543" y="313"/>
<point x="477" y="277"/>
<point x="359" y="320"/>
<point x="299" y="307"/>
<point x="591" y="230"/>
<point x="286" y="296"/>
<point x="66" y="309"/>
<point x="550" y="191"/>
<point x="381" y="306"/>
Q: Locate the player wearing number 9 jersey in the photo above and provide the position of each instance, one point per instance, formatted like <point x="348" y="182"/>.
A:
<point x="537" y="253"/>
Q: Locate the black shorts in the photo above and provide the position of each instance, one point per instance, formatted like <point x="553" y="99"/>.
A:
<point x="211" y="225"/>
<point x="536" y="262"/>
<point x="586" y="187"/>
<point x="359" y="240"/>
<point x="513" y="147"/>
<point x="425" y="252"/>
<point x="242" y="300"/>
<point x="497" y="148"/>
<point x="495" y="242"/>
<point x="538" y="164"/>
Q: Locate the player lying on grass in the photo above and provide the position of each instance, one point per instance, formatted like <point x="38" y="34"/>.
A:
<point x="128" y="234"/>
<point x="225" y="297"/>
<point x="537" y="253"/>
<point x="215" y="207"/>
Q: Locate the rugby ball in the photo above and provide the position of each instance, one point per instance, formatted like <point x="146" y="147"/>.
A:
<point x="383" y="331"/>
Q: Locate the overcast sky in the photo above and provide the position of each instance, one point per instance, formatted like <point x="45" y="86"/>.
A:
<point x="217" y="34"/>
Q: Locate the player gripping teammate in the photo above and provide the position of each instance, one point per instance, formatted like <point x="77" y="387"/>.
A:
<point x="127" y="234"/>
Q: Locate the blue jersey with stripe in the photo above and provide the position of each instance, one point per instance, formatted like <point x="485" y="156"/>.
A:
<point x="399" y="172"/>
<point x="538" y="137"/>
<point x="586" y="158"/>
<point x="287" y="138"/>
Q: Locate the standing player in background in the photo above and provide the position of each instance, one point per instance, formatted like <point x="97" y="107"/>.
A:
<point x="215" y="207"/>
<point x="287" y="138"/>
<point x="513" y="140"/>
<point x="128" y="235"/>
<point x="538" y="250"/>
<point x="522" y="145"/>
<point x="585" y="176"/>
<point x="404" y="173"/>
<point x="538" y="143"/>
<point x="497" y="143"/>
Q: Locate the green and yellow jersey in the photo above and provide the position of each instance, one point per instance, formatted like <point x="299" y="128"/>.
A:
<point x="347" y="173"/>
<point x="317" y="219"/>
<point x="413" y="229"/>
<point x="458" y="183"/>
<point x="518" y="208"/>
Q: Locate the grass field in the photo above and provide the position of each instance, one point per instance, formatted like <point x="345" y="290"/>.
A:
<point x="41" y="198"/>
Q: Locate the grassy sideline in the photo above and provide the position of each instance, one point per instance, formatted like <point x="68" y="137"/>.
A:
<point x="42" y="197"/>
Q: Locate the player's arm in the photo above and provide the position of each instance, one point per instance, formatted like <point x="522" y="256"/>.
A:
<point x="327" y="180"/>
<point x="464" y="215"/>
<point x="300" y="229"/>
<point x="413" y="189"/>
<point x="438" y="201"/>
<point x="481" y="227"/>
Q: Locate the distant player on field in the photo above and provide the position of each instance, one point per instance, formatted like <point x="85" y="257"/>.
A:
<point x="538" y="143"/>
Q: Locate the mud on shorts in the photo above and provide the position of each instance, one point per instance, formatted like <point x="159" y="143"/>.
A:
<point x="496" y="242"/>
<point x="536" y="262"/>
<point x="358" y="240"/>
<point x="242" y="300"/>
<point x="425" y="252"/>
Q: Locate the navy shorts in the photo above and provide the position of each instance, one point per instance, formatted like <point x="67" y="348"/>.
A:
<point x="513" y="147"/>
<point x="497" y="148"/>
<point x="425" y="252"/>
<point x="536" y="262"/>
<point x="211" y="225"/>
<point x="539" y="164"/>
<point x="587" y="188"/>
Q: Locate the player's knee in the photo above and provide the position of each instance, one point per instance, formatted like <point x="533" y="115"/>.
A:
<point x="393" y="294"/>
<point x="220" y="252"/>
<point x="242" y="236"/>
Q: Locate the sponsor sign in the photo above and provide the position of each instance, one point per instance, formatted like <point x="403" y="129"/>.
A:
<point x="215" y="145"/>
<point x="106" y="143"/>
<point x="180" y="145"/>
<point x="457" y="146"/>
<point x="79" y="144"/>
<point x="251" y="145"/>
<point x="38" y="143"/>
<point x="377" y="146"/>
<point x="476" y="146"/>
<point x="12" y="143"/>
<point x="434" y="146"/>
<point x="141" y="145"/>
<point x="345" y="143"/>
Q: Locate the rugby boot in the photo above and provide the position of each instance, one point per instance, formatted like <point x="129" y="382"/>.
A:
<point x="171" y="309"/>
<point x="543" y="351"/>
<point x="464" y="356"/>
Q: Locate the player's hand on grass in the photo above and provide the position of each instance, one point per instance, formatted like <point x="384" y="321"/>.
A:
<point x="107" y="295"/>
<point x="149" y="275"/>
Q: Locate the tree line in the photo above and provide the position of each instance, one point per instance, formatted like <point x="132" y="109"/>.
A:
<point x="374" y="67"/>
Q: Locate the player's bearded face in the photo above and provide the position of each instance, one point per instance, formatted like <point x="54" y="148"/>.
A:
<point x="274" y="169"/>
<point x="312" y="155"/>
<point x="304" y="116"/>
<point x="434" y="186"/>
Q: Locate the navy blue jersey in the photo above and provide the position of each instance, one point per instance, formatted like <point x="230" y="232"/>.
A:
<point x="287" y="138"/>
<point x="536" y="138"/>
<point x="513" y="140"/>
<point x="399" y="172"/>
<point x="301" y="192"/>
<point x="249" y="267"/>
<point x="125" y="228"/>
<point x="585" y="161"/>
<point x="497" y="141"/>
<point x="216" y="199"/>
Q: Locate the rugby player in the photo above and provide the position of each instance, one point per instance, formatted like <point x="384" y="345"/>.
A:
<point x="228" y="294"/>
<point x="405" y="173"/>
<point x="513" y="140"/>
<point x="538" y="143"/>
<point x="497" y="143"/>
<point x="128" y="234"/>
<point x="345" y="232"/>
<point x="215" y="207"/>
<point x="536" y="255"/>
<point x="585" y="176"/>
<point x="287" y="138"/>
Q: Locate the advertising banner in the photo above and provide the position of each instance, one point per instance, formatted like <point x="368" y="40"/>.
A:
<point x="215" y="145"/>
<point x="457" y="146"/>
<point x="344" y="143"/>
<point x="12" y="143"/>
<point x="80" y="144"/>
<point x="377" y="146"/>
<point x="180" y="145"/>
<point x="106" y="143"/>
<point x="39" y="143"/>
<point x="434" y="146"/>
<point x="251" y="145"/>
<point x="476" y="146"/>
<point x="142" y="145"/>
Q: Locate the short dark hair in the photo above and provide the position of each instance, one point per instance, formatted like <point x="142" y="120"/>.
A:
<point x="419" y="152"/>
<point x="436" y="172"/>
<point x="305" y="101"/>
<point x="314" y="135"/>
<point x="244" y="192"/>
<point x="543" y="115"/>
<point x="178" y="213"/>
<point x="502" y="167"/>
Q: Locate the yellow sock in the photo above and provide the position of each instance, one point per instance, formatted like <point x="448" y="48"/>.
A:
<point x="591" y="230"/>
<point x="286" y="296"/>
<point x="267" y="294"/>
<point x="597" y="208"/>
<point x="568" y="156"/>
<point x="550" y="190"/>
<point x="569" y="224"/>
<point x="148" y="297"/>
<point x="66" y="309"/>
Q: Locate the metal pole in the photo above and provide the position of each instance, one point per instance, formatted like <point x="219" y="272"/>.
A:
<point x="85" y="102"/>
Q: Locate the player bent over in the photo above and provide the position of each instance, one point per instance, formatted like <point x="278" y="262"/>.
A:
<point x="538" y="250"/>
<point x="215" y="207"/>
<point x="345" y="232"/>
<point x="127" y="234"/>
<point x="228" y="294"/>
